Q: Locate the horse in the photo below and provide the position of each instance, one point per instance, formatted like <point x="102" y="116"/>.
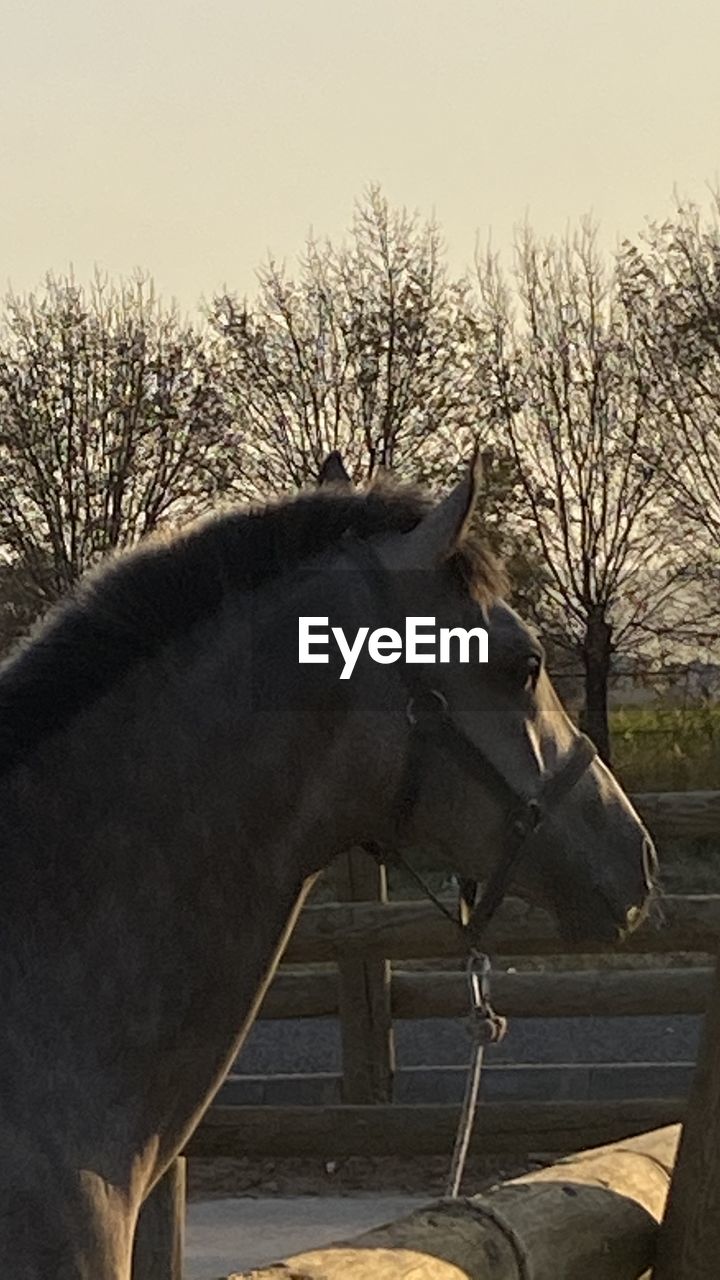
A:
<point x="172" y="781"/>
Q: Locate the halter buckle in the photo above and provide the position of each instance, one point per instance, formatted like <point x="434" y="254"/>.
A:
<point x="487" y="1026"/>
<point x="528" y="819"/>
<point x="535" y="814"/>
<point x="440" y="710"/>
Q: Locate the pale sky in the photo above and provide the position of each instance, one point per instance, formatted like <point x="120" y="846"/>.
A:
<point x="189" y="138"/>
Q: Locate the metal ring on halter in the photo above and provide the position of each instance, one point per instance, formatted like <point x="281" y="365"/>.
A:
<point x="410" y="710"/>
<point x="478" y="967"/>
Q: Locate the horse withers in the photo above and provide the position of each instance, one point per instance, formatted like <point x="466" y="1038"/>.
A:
<point x="172" y="778"/>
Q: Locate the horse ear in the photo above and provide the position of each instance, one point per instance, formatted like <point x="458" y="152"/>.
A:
<point x="442" y="530"/>
<point x="333" y="471"/>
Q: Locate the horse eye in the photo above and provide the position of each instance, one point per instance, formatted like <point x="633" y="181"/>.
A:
<point x="532" y="673"/>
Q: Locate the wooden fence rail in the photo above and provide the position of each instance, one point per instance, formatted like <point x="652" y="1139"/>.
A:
<point x="679" y="814"/>
<point x="415" y="930"/>
<point x="602" y="993"/>
<point x="395" y="1130"/>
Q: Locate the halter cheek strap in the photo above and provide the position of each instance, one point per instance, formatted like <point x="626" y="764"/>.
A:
<point x="433" y="733"/>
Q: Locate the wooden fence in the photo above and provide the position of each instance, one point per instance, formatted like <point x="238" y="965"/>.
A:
<point x="359" y="937"/>
<point x="356" y="939"/>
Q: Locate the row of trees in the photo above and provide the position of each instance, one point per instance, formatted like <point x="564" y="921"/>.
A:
<point x="594" y="386"/>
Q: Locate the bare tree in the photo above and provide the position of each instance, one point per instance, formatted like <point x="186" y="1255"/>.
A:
<point x="111" y="421"/>
<point x="574" y="417"/>
<point x="369" y="350"/>
<point x="670" y="288"/>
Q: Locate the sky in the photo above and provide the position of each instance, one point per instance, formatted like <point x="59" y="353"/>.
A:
<point x="189" y="139"/>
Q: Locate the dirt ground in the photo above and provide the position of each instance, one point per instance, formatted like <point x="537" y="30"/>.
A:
<point x="356" y="1175"/>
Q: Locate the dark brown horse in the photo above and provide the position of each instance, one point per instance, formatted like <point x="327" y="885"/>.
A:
<point x="172" y="778"/>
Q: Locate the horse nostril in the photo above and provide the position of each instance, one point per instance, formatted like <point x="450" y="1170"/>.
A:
<point x="649" y="862"/>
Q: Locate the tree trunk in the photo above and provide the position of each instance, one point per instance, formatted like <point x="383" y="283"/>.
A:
<point x="596" y="654"/>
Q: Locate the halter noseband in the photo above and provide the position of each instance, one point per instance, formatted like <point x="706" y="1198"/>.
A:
<point x="432" y="726"/>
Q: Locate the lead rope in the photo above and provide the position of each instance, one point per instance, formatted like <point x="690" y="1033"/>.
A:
<point x="486" y="1027"/>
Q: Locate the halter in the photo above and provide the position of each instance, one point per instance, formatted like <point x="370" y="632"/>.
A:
<point x="433" y="730"/>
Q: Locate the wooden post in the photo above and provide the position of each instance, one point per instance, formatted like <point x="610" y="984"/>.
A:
<point x="364" y="995"/>
<point x="160" y="1234"/>
<point x="689" y="1245"/>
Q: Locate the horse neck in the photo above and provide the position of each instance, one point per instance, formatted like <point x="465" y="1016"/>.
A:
<point x="174" y="830"/>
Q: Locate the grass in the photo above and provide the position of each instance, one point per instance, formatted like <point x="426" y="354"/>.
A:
<point x="664" y="748"/>
<point x="667" y="748"/>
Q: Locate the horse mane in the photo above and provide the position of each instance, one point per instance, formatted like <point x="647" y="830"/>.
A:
<point x="124" y="612"/>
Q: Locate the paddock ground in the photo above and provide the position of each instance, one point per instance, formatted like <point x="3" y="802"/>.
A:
<point x="229" y="1235"/>
<point x="352" y="1177"/>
